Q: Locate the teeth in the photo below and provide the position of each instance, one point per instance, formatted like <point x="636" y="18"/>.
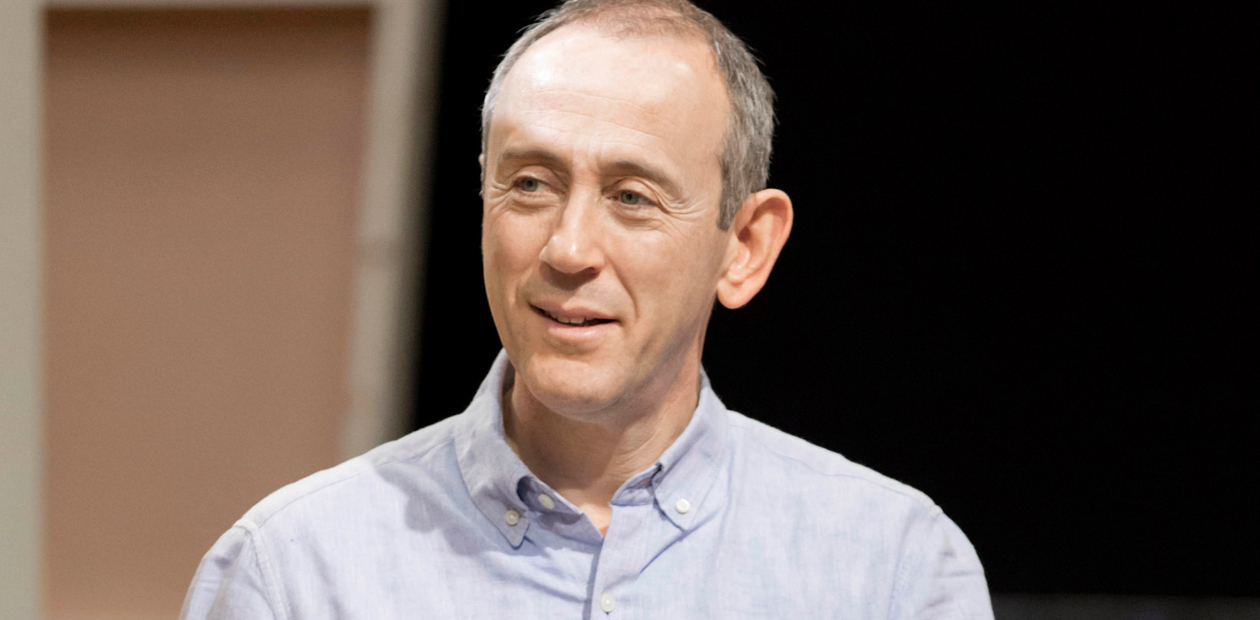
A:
<point x="573" y="321"/>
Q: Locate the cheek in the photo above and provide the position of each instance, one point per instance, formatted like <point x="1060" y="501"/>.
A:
<point x="510" y="246"/>
<point x="670" y="278"/>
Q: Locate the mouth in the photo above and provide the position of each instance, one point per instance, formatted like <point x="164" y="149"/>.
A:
<point x="573" y="321"/>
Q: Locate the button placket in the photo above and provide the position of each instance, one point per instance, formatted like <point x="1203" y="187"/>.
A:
<point x="626" y="549"/>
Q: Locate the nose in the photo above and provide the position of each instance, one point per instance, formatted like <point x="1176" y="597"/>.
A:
<point x="574" y="245"/>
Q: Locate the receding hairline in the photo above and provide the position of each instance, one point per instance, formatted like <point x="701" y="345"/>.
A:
<point x="640" y="20"/>
<point x="625" y="22"/>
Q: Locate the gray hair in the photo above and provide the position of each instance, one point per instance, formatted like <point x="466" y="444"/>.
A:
<point x="745" y="148"/>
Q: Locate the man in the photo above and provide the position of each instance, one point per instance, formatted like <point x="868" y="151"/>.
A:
<point x="625" y="151"/>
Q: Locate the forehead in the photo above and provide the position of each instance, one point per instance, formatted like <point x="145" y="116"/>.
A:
<point x="651" y="88"/>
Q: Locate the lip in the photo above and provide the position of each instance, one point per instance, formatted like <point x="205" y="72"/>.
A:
<point x="570" y="312"/>
<point x="565" y="331"/>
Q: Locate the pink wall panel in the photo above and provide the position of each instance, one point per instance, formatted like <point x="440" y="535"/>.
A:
<point x="202" y="181"/>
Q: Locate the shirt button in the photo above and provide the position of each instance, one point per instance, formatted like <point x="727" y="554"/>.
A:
<point x="682" y="506"/>
<point x="606" y="602"/>
<point x="546" y="501"/>
<point x="513" y="517"/>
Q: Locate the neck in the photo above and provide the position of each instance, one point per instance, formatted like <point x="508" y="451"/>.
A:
<point x="587" y="462"/>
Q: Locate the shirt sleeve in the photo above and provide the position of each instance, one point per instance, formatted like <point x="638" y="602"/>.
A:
<point x="231" y="582"/>
<point x="940" y="578"/>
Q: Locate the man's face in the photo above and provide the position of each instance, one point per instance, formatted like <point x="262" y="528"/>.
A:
<point x="600" y="241"/>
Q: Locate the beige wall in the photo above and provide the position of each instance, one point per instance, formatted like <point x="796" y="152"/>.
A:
<point x="100" y="342"/>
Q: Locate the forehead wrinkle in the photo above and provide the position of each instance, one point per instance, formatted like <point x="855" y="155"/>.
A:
<point x="668" y="143"/>
<point x="532" y="133"/>
<point x="661" y="94"/>
<point x="565" y="96"/>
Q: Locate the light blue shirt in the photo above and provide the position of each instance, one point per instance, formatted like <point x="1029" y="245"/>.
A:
<point x="735" y="520"/>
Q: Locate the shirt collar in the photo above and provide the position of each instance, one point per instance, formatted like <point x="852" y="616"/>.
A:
<point x="686" y="471"/>
<point x="491" y="470"/>
<point x="679" y="481"/>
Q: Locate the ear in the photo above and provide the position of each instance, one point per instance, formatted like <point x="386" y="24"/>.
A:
<point x="757" y="235"/>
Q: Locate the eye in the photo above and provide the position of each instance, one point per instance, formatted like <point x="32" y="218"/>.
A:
<point x="529" y="184"/>
<point x="633" y="199"/>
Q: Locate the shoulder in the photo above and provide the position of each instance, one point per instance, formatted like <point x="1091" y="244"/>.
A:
<point x="361" y="482"/>
<point x="873" y="517"/>
<point x="869" y="518"/>
<point x="272" y="563"/>
<point x="776" y="455"/>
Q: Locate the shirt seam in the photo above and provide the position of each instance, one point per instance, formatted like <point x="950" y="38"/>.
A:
<point x="901" y="574"/>
<point x="927" y="503"/>
<point x="262" y="558"/>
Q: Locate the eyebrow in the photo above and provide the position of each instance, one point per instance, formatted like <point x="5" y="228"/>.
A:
<point x="647" y="171"/>
<point x="623" y="167"/>
<point x="540" y="156"/>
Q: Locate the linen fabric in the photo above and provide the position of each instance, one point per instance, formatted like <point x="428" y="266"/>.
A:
<point x="735" y="520"/>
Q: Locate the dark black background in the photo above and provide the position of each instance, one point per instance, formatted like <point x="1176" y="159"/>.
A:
<point x="1016" y="279"/>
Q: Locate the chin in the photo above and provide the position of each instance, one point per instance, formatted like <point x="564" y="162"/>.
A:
<point x="570" y="387"/>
